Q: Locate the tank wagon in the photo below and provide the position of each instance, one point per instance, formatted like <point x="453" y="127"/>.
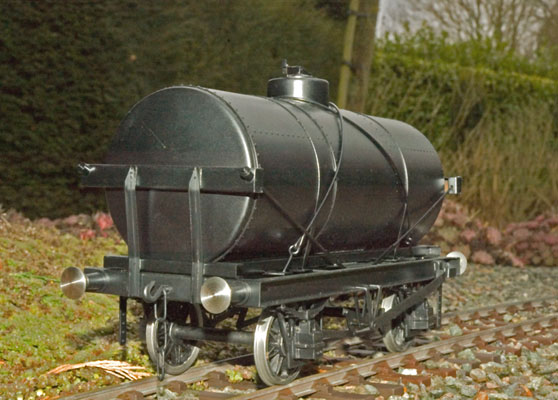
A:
<point x="283" y="204"/>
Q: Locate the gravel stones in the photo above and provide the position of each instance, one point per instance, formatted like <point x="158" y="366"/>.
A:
<point x="478" y="375"/>
<point x="518" y="374"/>
<point x="455" y="330"/>
<point x="482" y="285"/>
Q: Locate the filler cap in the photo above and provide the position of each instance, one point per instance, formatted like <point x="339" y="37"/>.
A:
<point x="297" y="83"/>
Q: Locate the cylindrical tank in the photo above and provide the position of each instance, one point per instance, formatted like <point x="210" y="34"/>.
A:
<point x="387" y="170"/>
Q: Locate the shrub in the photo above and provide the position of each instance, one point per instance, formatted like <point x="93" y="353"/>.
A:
<point x="498" y="129"/>
<point x="71" y="70"/>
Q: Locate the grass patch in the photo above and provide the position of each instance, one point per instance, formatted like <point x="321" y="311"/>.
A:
<point x="41" y="329"/>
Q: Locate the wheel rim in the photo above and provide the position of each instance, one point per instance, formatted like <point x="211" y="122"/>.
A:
<point x="395" y="339"/>
<point x="269" y="354"/>
<point x="179" y="354"/>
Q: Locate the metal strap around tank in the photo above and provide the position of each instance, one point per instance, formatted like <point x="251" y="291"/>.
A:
<point x="332" y="150"/>
<point x="403" y="178"/>
<point x="405" y="170"/>
<point x="293" y="250"/>
<point x="331" y="187"/>
<point x="337" y="163"/>
<point x="280" y="104"/>
<point x="326" y="195"/>
<point x="406" y="182"/>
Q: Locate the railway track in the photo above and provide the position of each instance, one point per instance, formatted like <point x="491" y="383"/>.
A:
<point x="149" y="386"/>
<point x="483" y="330"/>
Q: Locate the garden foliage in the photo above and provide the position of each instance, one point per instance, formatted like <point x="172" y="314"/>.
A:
<point x="70" y="71"/>
<point x="492" y="115"/>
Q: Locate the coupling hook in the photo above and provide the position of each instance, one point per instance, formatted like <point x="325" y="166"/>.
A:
<point x="151" y="296"/>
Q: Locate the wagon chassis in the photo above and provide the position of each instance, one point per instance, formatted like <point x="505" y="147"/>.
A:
<point x="384" y="292"/>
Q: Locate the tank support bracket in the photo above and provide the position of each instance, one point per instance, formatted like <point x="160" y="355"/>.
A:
<point x="235" y="181"/>
<point x="132" y="228"/>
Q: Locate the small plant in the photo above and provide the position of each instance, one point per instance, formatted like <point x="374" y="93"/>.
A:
<point x="240" y="373"/>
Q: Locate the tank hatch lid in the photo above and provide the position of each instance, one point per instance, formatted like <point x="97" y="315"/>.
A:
<point x="297" y="83"/>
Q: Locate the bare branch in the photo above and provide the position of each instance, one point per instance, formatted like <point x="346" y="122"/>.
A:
<point x="515" y="23"/>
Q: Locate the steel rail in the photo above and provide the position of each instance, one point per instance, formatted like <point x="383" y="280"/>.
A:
<point x="465" y="316"/>
<point x="306" y="386"/>
<point x="498" y="306"/>
<point x="148" y="386"/>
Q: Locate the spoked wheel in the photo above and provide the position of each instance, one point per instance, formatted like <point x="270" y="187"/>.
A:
<point x="395" y="339"/>
<point x="179" y="354"/>
<point x="270" y="353"/>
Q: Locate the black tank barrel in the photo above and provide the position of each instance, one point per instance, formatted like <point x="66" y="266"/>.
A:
<point x="389" y="173"/>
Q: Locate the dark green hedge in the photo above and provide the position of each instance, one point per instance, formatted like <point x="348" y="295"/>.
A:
<point x="447" y="100"/>
<point x="71" y="70"/>
<point x="498" y="129"/>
